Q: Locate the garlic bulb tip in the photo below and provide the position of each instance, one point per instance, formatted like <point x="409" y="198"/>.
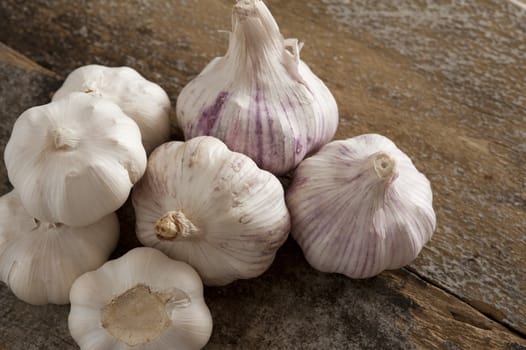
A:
<point x="384" y="165"/>
<point x="174" y="224"/>
<point x="64" y="139"/>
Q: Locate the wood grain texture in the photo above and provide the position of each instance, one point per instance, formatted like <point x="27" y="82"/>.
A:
<point x="445" y="80"/>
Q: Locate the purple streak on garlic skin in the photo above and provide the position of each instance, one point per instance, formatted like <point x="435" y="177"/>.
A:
<point x="259" y="129"/>
<point x="210" y="115"/>
<point x="292" y="129"/>
<point x="270" y="122"/>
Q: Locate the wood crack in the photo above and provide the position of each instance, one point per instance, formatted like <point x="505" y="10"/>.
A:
<point x="11" y="56"/>
<point x="460" y="317"/>
<point x="62" y="340"/>
<point x="6" y="312"/>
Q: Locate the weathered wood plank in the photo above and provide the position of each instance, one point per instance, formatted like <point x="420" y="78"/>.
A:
<point x="294" y="307"/>
<point x="442" y="79"/>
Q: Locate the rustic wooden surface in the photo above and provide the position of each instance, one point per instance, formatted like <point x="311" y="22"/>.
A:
<point x="444" y="79"/>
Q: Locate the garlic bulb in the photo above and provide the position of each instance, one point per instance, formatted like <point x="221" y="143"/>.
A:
<point x="40" y="261"/>
<point x="143" y="300"/>
<point x="142" y="100"/>
<point x="213" y="208"/>
<point x="360" y="206"/>
<point x="260" y="98"/>
<point x="74" y="160"/>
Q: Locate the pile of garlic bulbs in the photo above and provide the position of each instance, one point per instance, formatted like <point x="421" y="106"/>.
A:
<point x="358" y="206"/>
<point x="213" y="203"/>
<point x="72" y="163"/>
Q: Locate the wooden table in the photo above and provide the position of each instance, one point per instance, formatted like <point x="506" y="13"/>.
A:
<point x="445" y="80"/>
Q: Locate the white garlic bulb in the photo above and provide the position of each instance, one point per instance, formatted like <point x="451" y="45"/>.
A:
<point x="143" y="300"/>
<point x="360" y="206"/>
<point x="213" y="208"/>
<point x="40" y="261"/>
<point x="140" y="99"/>
<point x="74" y="160"/>
<point x="260" y="98"/>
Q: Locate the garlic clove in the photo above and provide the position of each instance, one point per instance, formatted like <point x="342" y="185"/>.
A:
<point x="142" y="100"/>
<point x="40" y="261"/>
<point x="74" y="160"/>
<point x="212" y="208"/>
<point x="260" y="98"/>
<point x="143" y="300"/>
<point x="360" y="206"/>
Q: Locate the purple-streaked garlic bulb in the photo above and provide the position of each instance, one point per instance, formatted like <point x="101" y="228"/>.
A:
<point x="359" y="207"/>
<point x="260" y="98"/>
<point x="212" y="208"/>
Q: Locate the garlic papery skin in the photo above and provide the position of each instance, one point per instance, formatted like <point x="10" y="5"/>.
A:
<point x="360" y="206"/>
<point x="210" y="207"/>
<point x="40" y="261"/>
<point x="260" y="98"/>
<point x="143" y="300"/>
<point x="74" y="160"/>
<point x="140" y="99"/>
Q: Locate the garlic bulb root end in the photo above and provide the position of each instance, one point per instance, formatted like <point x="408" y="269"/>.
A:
<point x="64" y="139"/>
<point x="140" y="315"/>
<point x="384" y="165"/>
<point x="174" y="224"/>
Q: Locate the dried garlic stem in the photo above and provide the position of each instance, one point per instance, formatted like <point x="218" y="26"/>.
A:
<point x="174" y="224"/>
<point x="64" y="139"/>
<point x="384" y="165"/>
<point x="90" y="87"/>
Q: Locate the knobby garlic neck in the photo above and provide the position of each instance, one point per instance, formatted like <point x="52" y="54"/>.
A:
<point x="252" y="22"/>
<point x="174" y="224"/>
<point x="253" y="47"/>
<point x="257" y="49"/>
<point x="64" y="139"/>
